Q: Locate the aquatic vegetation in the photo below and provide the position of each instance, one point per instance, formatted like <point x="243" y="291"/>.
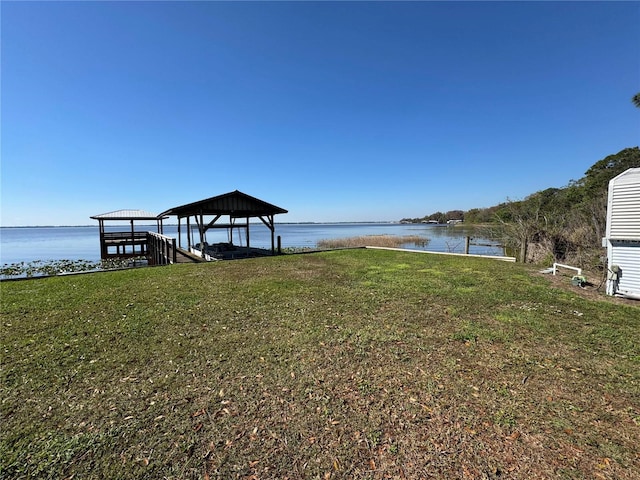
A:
<point x="374" y="241"/>
<point x="41" y="268"/>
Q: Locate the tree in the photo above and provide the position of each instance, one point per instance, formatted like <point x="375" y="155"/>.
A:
<point x="597" y="178"/>
<point x="437" y="216"/>
<point x="540" y="219"/>
<point x="636" y="99"/>
<point x="517" y="224"/>
<point x="455" y="215"/>
<point x="480" y="215"/>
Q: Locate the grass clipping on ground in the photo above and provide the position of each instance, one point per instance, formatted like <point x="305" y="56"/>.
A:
<point x="345" y="364"/>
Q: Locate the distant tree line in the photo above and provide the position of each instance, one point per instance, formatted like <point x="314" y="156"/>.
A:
<point x="439" y="217"/>
<point x="556" y="224"/>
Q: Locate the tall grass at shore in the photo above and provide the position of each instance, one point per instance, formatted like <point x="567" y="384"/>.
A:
<point x="373" y="241"/>
<point x="363" y="364"/>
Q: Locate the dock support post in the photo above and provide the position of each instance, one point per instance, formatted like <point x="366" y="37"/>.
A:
<point x="248" y="240"/>
<point x="188" y="233"/>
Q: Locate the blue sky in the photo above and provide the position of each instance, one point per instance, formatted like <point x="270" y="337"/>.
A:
<point x="336" y="111"/>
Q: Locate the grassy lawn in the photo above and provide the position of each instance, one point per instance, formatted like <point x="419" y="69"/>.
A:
<point x="344" y="364"/>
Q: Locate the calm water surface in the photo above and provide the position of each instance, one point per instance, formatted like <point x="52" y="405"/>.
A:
<point x="27" y="244"/>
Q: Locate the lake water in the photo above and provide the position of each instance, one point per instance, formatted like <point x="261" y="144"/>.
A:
<point x="27" y="244"/>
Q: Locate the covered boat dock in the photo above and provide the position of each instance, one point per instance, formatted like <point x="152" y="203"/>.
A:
<point x="204" y="215"/>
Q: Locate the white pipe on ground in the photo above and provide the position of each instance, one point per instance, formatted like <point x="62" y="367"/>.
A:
<point x="556" y="265"/>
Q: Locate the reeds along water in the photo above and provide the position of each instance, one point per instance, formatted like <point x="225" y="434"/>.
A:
<point x="392" y="241"/>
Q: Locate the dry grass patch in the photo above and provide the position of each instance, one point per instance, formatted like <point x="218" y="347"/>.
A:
<point x="373" y="241"/>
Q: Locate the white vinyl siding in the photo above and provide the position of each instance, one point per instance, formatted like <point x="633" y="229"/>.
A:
<point x="627" y="256"/>
<point x="625" y="211"/>
<point x="623" y="231"/>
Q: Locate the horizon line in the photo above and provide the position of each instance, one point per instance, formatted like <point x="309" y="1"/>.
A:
<point x="238" y="225"/>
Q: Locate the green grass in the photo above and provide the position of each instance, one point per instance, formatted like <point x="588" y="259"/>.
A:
<point x="346" y="364"/>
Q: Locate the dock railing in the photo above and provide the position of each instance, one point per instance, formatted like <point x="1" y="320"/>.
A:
<point x="126" y="244"/>
<point x="162" y="249"/>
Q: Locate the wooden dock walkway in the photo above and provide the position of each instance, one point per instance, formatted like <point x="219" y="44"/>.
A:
<point x="183" y="256"/>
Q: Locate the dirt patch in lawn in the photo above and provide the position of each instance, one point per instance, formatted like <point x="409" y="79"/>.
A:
<point x="594" y="290"/>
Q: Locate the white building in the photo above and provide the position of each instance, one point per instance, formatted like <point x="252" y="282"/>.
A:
<point x="623" y="234"/>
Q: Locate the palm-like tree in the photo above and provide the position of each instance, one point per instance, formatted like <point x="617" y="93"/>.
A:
<point x="636" y="99"/>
